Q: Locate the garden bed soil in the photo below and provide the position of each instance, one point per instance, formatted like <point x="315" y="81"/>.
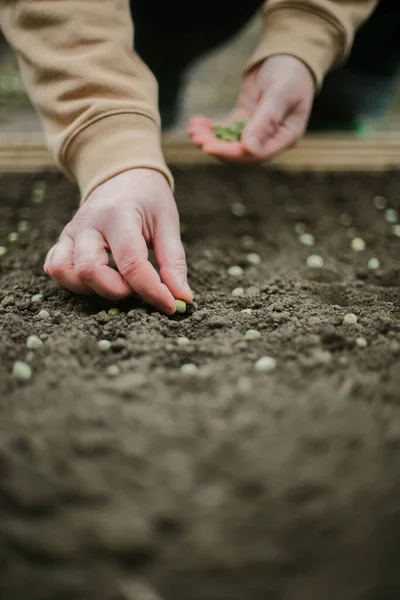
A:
<point x="231" y="484"/>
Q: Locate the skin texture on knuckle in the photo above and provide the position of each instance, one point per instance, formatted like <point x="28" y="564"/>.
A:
<point x="85" y="270"/>
<point x="129" y="264"/>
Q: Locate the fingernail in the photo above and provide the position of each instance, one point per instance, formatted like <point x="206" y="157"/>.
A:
<point x="254" y="143"/>
<point x="186" y="287"/>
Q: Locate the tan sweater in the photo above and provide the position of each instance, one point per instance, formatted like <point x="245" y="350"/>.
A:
<point x="98" y="101"/>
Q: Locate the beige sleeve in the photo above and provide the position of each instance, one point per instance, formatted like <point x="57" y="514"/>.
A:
<point x="95" y="97"/>
<point x="318" y="32"/>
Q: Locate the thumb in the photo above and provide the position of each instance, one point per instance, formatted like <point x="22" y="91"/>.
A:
<point x="265" y="122"/>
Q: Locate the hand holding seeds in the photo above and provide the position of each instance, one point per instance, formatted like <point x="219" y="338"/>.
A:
<point x="271" y="114"/>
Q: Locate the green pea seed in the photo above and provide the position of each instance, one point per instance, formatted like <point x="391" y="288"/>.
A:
<point x="23" y="226"/>
<point x="361" y="342"/>
<point x="43" y="314"/>
<point x="350" y="319"/>
<point x="3" y="251"/>
<point x="36" y="298"/>
<point x="180" y="306"/>
<point x="34" y="342"/>
<point x="315" y="262"/>
<point x="252" y="334"/>
<point x="235" y="271"/>
<point x="104" y="345"/>
<point x="13" y="237"/>
<point x="114" y="312"/>
<point x="21" y="371"/>
<point x="189" y="369"/>
<point x="265" y="364"/>
<point x="373" y="264"/>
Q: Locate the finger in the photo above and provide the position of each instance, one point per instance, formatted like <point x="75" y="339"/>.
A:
<point x="59" y="265"/>
<point x="171" y="258"/>
<point x="199" y="120"/>
<point x="91" y="266"/>
<point x="130" y="253"/>
<point x="267" y="118"/>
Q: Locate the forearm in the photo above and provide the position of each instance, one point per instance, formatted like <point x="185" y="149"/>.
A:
<point x="318" y="32"/>
<point x="95" y="97"/>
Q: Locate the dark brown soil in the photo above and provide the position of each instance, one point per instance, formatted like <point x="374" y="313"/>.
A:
<point x="231" y="484"/>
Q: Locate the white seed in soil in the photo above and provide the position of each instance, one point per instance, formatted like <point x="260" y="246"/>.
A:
<point x="112" y="371"/>
<point x="23" y="226"/>
<point x="235" y="271"/>
<point x="253" y="258"/>
<point x="247" y="311"/>
<point x="169" y="347"/>
<point x="3" y="250"/>
<point x="183" y="341"/>
<point x="21" y="371"/>
<point x="13" y="237"/>
<point x="314" y="261"/>
<point x="36" y="298"/>
<point x="391" y="215"/>
<point x="252" y="334"/>
<point x="379" y="202"/>
<point x="247" y="241"/>
<point x="104" y="345"/>
<point x="34" y="342"/>
<point x="373" y="264"/>
<point x="300" y="228"/>
<point x="238" y="209"/>
<point x="265" y="364"/>
<point x="307" y="239"/>
<point x="43" y="314"/>
<point x="237" y="292"/>
<point x="350" y="319"/>
<point x="346" y="219"/>
<point x="189" y="369"/>
<point x="396" y="230"/>
<point x="361" y="342"/>
<point x="358" y="244"/>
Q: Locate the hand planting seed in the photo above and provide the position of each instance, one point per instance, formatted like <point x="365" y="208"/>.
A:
<point x="21" y="371"/>
<point x="13" y="237"/>
<point x="114" y="312"/>
<point x="396" y="230"/>
<point x="379" y="202"/>
<point x="232" y="132"/>
<point x="112" y="371"/>
<point x="3" y="251"/>
<point x="252" y="334"/>
<point x="237" y="292"/>
<point x="189" y="369"/>
<point x="104" y="345"/>
<point x="43" y="314"/>
<point x="315" y="262"/>
<point x="36" y="298"/>
<point x="182" y="341"/>
<point x="253" y="258"/>
<point x="23" y="226"/>
<point x="180" y="306"/>
<point x="361" y="342"/>
<point x="391" y="215"/>
<point x="350" y="319"/>
<point x="34" y="342"/>
<point x="374" y="264"/>
<point x="265" y="364"/>
<point x="238" y="209"/>
<point x="235" y="271"/>
<point x="307" y="239"/>
<point x="358" y="244"/>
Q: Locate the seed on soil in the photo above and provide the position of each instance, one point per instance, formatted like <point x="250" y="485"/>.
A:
<point x="38" y="192"/>
<point x="36" y="298"/>
<point x="182" y="341"/>
<point x="391" y="215"/>
<point x="396" y="230"/>
<point x="21" y="371"/>
<point x="104" y="345"/>
<point x="300" y="228"/>
<point x="253" y="258"/>
<point x="379" y="202"/>
<point x="350" y="319"/>
<point x="314" y="261"/>
<point x="265" y="364"/>
<point x="180" y="306"/>
<point x="189" y="369"/>
<point x="237" y="292"/>
<point x="13" y="237"/>
<point x="114" y="312"/>
<point x="346" y="219"/>
<point x="373" y="264"/>
<point x="252" y="334"/>
<point x="358" y="244"/>
<point x="247" y="311"/>
<point x="361" y="342"/>
<point x="3" y="251"/>
<point x="34" y="342"/>
<point x="238" y="209"/>
<point x="307" y="239"/>
<point x="247" y="241"/>
<point x="43" y="314"/>
<point x="23" y="226"/>
<point x="112" y="371"/>
<point x="169" y="347"/>
<point x="235" y="271"/>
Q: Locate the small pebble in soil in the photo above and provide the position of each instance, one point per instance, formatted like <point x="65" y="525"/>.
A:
<point x="346" y="219"/>
<point x="34" y="342"/>
<point x="238" y="209"/>
<point x="300" y="228"/>
<point x="180" y="306"/>
<point x="265" y="364"/>
<point x="104" y="345"/>
<point x="307" y="239"/>
<point x="36" y="298"/>
<point x="252" y="334"/>
<point x="13" y="237"/>
<point x="391" y="215"/>
<point x="114" y="312"/>
<point x="169" y="347"/>
<point x="253" y="258"/>
<point x="38" y="192"/>
<point x="247" y="241"/>
<point x="379" y="202"/>
<point x="314" y="261"/>
<point x="361" y="342"/>
<point x="189" y="369"/>
<point x="112" y="371"/>
<point x="235" y="271"/>
<point x="21" y="371"/>
<point x="208" y="253"/>
<point x="373" y="264"/>
<point x="3" y="251"/>
<point x="247" y="311"/>
<point x="237" y="292"/>
<point x="182" y="341"/>
<point x="358" y="244"/>
<point x="43" y="314"/>
<point x="23" y="226"/>
<point x="350" y="319"/>
<point x="396" y="230"/>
